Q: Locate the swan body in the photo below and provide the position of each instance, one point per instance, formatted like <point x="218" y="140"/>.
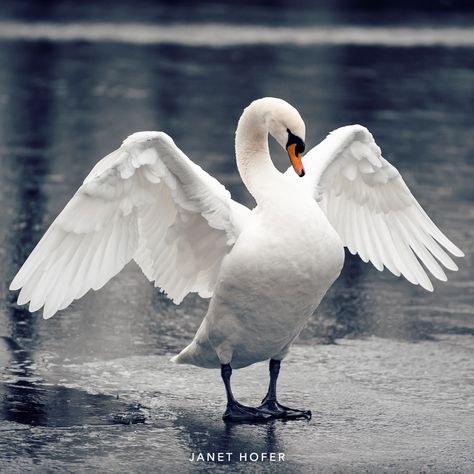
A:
<point x="276" y="274"/>
<point x="267" y="269"/>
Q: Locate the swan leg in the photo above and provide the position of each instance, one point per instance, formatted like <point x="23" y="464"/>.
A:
<point x="270" y="404"/>
<point x="235" y="411"/>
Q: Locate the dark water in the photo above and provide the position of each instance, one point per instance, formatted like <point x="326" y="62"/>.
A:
<point x="63" y="105"/>
<point x="260" y="12"/>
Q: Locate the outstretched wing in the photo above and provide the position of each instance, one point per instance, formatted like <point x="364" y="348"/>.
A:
<point x="145" y="201"/>
<point x="370" y="206"/>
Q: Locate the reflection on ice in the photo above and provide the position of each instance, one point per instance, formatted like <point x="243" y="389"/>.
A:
<point x="26" y="399"/>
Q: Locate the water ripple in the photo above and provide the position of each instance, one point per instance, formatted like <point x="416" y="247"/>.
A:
<point x="224" y="35"/>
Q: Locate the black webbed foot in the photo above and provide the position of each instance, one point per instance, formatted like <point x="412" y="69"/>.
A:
<point x="236" y="412"/>
<point x="276" y="410"/>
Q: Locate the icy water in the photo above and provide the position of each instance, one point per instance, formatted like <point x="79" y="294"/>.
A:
<point x="395" y="391"/>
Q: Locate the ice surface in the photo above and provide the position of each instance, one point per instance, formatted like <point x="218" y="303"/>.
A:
<point x="377" y="404"/>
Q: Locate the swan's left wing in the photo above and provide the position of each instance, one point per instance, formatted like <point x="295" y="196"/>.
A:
<point x="146" y="201"/>
<point x="366" y="200"/>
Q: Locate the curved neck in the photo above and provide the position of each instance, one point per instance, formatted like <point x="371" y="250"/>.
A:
<point x="253" y="156"/>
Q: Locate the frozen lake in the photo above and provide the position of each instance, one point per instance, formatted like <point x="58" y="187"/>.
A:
<point x="378" y="406"/>
<point x="394" y="394"/>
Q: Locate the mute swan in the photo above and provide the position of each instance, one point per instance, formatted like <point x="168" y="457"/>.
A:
<point x="267" y="269"/>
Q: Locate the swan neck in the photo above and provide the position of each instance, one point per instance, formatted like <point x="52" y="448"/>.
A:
<point x="253" y="155"/>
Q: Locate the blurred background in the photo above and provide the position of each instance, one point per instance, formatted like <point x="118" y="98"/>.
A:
<point x="76" y="78"/>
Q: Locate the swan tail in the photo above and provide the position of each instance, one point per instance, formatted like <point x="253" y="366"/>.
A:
<point x="199" y="355"/>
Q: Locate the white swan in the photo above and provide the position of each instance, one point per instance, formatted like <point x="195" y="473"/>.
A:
<point x="266" y="269"/>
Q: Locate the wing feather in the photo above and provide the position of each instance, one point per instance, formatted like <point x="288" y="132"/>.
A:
<point x="145" y="201"/>
<point x="415" y="241"/>
<point x="370" y="206"/>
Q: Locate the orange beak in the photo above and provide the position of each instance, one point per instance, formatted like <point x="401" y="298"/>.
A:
<point x="295" y="159"/>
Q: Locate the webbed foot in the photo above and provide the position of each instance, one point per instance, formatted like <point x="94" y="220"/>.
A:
<point x="276" y="410"/>
<point x="236" y="412"/>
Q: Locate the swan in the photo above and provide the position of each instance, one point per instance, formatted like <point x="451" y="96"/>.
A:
<point x="265" y="270"/>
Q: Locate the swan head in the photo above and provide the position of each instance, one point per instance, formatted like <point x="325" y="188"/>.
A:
<point x="285" y="125"/>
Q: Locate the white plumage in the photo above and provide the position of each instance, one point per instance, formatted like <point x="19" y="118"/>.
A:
<point x="145" y="201"/>
<point x="372" y="209"/>
<point x="267" y="269"/>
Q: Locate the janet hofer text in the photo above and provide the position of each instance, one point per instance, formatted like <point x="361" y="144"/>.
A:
<point x="239" y="457"/>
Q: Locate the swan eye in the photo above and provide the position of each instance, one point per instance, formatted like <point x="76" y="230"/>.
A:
<point x="294" y="140"/>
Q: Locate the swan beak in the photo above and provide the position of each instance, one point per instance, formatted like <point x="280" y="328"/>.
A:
<point x="295" y="159"/>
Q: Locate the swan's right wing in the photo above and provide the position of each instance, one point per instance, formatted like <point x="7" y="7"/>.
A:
<point x="145" y="201"/>
<point x="369" y="205"/>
